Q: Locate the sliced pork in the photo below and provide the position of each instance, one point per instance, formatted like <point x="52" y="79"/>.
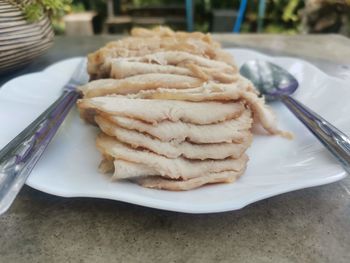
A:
<point x="158" y="182"/>
<point x="234" y="130"/>
<point x="148" y="177"/>
<point x="121" y="68"/>
<point x="223" y="92"/>
<point x="138" y="45"/>
<point x="179" y="168"/>
<point x="173" y="110"/>
<point x="174" y="149"/>
<point x="160" y="110"/>
<point x="137" y="83"/>
<point x="179" y="58"/>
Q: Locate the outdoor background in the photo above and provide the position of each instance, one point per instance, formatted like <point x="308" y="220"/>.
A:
<point x="273" y="16"/>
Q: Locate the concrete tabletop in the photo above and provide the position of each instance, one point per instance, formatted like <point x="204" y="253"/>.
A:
<point x="310" y="225"/>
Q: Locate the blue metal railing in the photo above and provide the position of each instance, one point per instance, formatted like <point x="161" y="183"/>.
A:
<point x="240" y="16"/>
<point x="241" y="13"/>
<point x="261" y="15"/>
<point x="189" y="15"/>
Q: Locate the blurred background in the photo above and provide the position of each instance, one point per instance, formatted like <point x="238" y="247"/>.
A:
<point x="86" y="17"/>
<point x="26" y="31"/>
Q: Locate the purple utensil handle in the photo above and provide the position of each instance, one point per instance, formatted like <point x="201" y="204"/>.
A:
<point x="333" y="139"/>
<point x="18" y="157"/>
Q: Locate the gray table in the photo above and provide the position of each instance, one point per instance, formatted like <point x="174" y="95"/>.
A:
<point x="310" y="225"/>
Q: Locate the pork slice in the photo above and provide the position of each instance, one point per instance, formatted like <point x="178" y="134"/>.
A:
<point x="128" y="46"/>
<point x="158" y="182"/>
<point x="106" y="164"/>
<point x="167" y="32"/>
<point x="210" y="74"/>
<point x="207" y="92"/>
<point x="145" y="46"/>
<point x="134" y="84"/>
<point x="154" y="111"/>
<point x="234" y="130"/>
<point x="179" y="168"/>
<point x="182" y="58"/>
<point x="265" y="115"/>
<point x="97" y="66"/>
<point x="139" y="46"/>
<point x="122" y="69"/>
<point x="147" y="177"/>
<point x="223" y="92"/>
<point x="134" y="43"/>
<point x="174" y="149"/>
<point x="224" y="56"/>
<point x="159" y="31"/>
<point x="156" y="41"/>
<point x="127" y="170"/>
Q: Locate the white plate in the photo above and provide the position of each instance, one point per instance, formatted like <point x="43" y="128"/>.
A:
<point x="69" y="166"/>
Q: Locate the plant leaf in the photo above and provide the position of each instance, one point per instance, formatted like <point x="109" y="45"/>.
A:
<point x="33" y="12"/>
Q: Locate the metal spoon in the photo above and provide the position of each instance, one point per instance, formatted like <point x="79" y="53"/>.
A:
<point x="275" y="83"/>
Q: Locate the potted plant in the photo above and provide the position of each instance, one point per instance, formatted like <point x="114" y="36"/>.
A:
<point x="25" y="30"/>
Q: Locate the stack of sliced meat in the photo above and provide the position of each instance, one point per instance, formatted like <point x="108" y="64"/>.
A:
<point x="173" y="111"/>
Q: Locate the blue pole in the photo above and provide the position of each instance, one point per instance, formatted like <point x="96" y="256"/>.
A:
<point x="242" y="8"/>
<point x="189" y="15"/>
<point x="261" y="14"/>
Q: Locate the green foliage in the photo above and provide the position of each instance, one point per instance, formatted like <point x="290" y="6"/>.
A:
<point x="33" y="12"/>
<point x="35" y="9"/>
<point x="289" y="12"/>
<point x="76" y="8"/>
<point x="281" y="16"/>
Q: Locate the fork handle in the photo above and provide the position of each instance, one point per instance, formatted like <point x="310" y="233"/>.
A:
<point x="19" y="156"/>
<point x="332" y="138"/>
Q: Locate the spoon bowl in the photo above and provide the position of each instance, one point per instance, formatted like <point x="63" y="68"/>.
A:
<point x="271" y="80"/>
<point x="274" y="83"/>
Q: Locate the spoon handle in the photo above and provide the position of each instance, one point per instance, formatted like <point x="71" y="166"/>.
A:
<point x="19" y="156"/>
<point x="333" y="139"/>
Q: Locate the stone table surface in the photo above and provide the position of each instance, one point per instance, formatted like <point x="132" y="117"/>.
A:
<point x="309" y="225"/>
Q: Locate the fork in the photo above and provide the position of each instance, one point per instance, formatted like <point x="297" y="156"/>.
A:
<point x="19" y="156"/>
